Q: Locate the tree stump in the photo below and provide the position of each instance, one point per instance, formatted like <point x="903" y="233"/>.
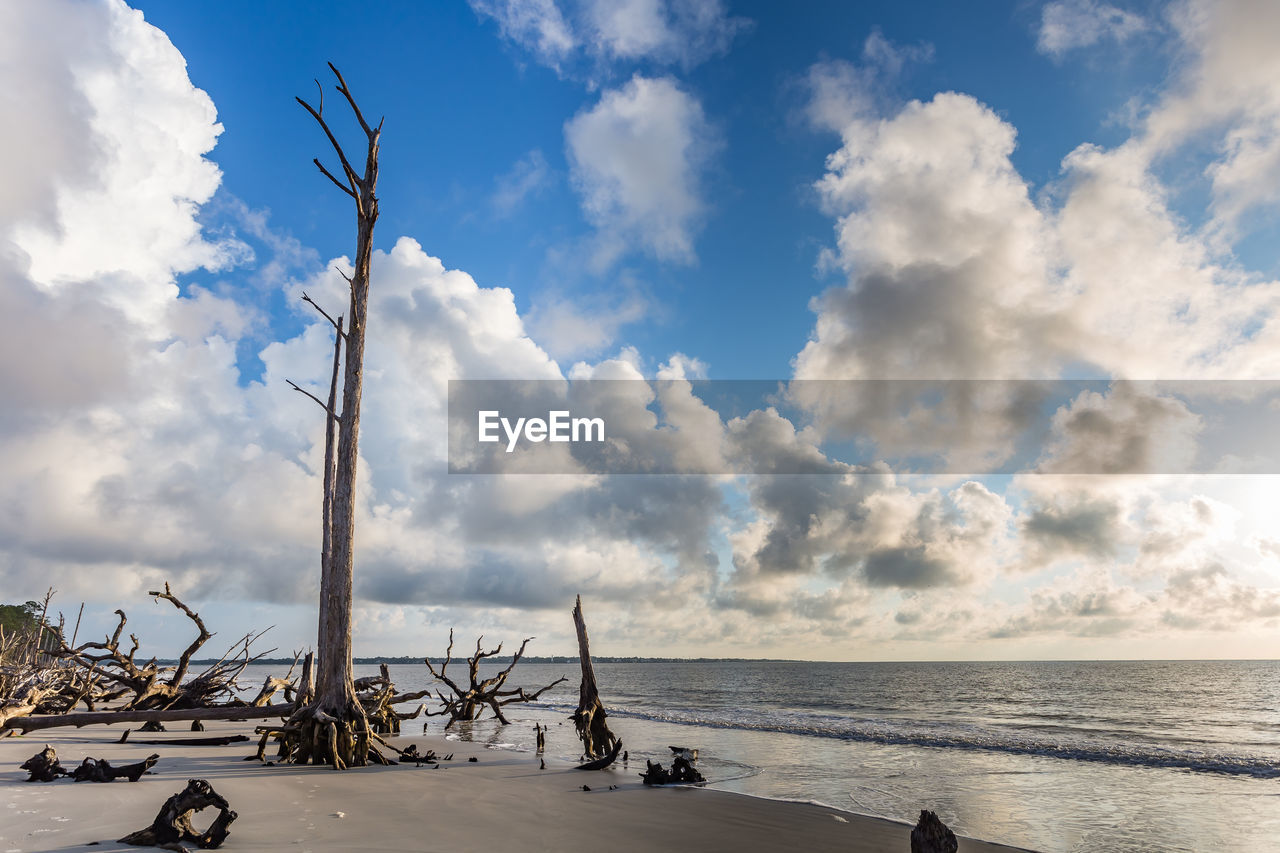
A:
<point x="931" y="835"/>
<point x="173" y="823"/>
<point x="589" y="719"/>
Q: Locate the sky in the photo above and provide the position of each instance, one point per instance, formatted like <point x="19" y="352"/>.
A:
<point x="652" y="190"/>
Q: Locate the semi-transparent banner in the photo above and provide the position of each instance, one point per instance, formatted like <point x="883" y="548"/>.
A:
<point x="973" y="427"/>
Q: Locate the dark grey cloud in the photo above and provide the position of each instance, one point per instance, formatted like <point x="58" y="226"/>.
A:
<point x="1092" y="527"/>
<point x="907" y="568"/>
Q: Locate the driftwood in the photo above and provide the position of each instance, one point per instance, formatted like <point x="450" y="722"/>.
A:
<point x="931" y="835"/>
<point x="602" y="763"/>
<point x="468" y="703"/>
<point x="212" y="740"/>
<point x="43" y="766"/>
<point x="115" y="673"/>
<point x="100" y="770"/>
<point x="682" y="772"/>
<point x="377" y="694"/>
<point x="33" y="723"/>
<point x="589" y="719"/>
<point x="173" y="822"/>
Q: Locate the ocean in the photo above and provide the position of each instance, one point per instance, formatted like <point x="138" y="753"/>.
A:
<point x="1051" y="756"/>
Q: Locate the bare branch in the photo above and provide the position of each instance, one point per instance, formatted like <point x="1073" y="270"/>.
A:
<point x="185" y="660"/>
<point x="319" y="402"/>
<point x="324" y="313"/>
<point x="342" y="87"/>
<point x="346" y="189"/>
<point x="352" y="175"/>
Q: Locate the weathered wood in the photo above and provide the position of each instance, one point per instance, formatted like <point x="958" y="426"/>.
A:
<point x="172" y="824"/>
<point x="335" y="728"/>
<point x="682" y="772"/>
<point x="43" y="766"/>
<point x="589" y="719"/>
<point x="100" y="770"/>
<point x="240" y="712"/>
<point x="602" y="763"/>
<point x="931" y="835"/>
<point x="468" y="703"/>
<point x="153" y="687"/>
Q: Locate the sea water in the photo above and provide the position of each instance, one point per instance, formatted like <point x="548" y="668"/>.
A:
<point x="1051" y="756"/>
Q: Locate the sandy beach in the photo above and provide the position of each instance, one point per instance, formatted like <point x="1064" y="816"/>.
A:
<point x="502" y="801"/>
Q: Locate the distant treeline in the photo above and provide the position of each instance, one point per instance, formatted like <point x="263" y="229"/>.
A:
<point x="507" y="659"/>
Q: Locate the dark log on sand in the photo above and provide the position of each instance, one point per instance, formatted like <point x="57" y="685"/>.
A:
<point x="931" y="835"/>
<point x="100" y="770"/>
<point x="43" y="766"/>
<point x="589" y="719"/>
<point x="602" y="763"/>
<point x="212" y="740"/>
<point x="173" y="823"/>
<point x="682" y="772"/>
<point x="49" y="721"/>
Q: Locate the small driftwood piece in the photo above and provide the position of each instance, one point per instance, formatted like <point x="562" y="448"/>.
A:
<point x="152" y="727"/>
<point x="43" y="766"/>
<point x="602" y="763"/>
<point x="100" y="770"/>
<point x="173" y="823"/>
<point x="931" y="835"/>
<point x="682" y="772"/>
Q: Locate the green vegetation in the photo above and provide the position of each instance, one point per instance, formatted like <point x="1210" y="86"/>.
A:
<point x="20" y="618"/>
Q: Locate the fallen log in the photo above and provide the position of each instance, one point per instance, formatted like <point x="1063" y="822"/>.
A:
<point x="92" y="718"/>
<point x="100" y="770"/>
<point x="212" y="740"/>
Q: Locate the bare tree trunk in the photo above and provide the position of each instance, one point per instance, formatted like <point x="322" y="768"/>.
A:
<point x="326" y="546"/>
<point x="597" y="740"/>
<point x="334" y="730"/>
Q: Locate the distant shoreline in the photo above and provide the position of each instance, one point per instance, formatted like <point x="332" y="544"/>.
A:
<point x="573" y="659"/>
<point x="374" y="661"/>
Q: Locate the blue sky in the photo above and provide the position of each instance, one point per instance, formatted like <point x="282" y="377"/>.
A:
<point x="467" y="107"/>
<point x="676" y="189"/>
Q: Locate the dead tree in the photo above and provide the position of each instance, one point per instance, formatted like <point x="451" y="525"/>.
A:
<point x="589" y="719"/>
<point x="333" y="730"/>
<point x="113" y="672"/>
<point x="468" y="703"/>
<point x="173" y="823"/>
